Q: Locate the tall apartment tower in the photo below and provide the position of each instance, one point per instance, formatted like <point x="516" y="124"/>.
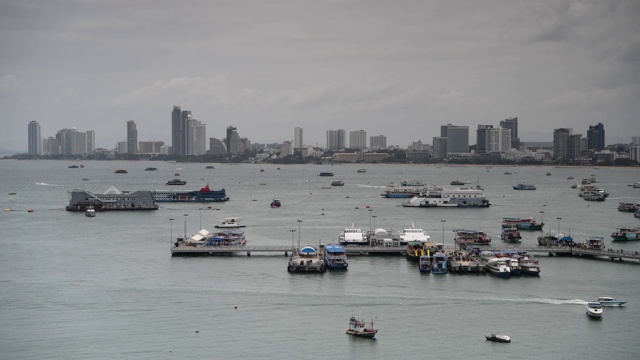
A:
<point x="34" y="140"/>
<point x="132" y="137"/>
<point x="297" y="138"/>
<point x="440" y="147"/>
<point x="232" y="141"/>
<point x="595" y="137"/>
<point x="176" y="130"/>
<point x="91" y="141"/>
<point x="561" y="143"/>
<point x="336" y="139"/>
<point x="457" y="139"/>
<point x="481" y="138"/>
<point x="498" y="140"/>
<point x="378" y="142"/>
<point x="512" y="124"/>
<point x="358" y="139"/>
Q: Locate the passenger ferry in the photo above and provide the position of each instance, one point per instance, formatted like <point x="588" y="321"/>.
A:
<point x="499" y="267"/>
<point x="524" y="187"/>
<point x="628" y="207"/>
<point x="522" y="223"/>
<point x="626" y="234"/>
<point x="510" y="235"/>
<point x="413" y="234"/>
<point x="471" y="237"/>
<point x="399" y="193"/>
<point x="335" y="257"/>
<point x="529" y="266"/>
<point x="449" y="197"/>
<point x="205" y="194"/>
<point x="353" y="236"/>
<point x="112" y="199"/>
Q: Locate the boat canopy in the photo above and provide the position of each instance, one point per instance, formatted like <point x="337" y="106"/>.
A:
<point x="308" y="250"/>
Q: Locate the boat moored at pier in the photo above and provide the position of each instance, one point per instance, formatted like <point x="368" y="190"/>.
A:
<point x="425" y="264"/>
<point x="498" y="267"/>
<point x="230" y="223"/>
<point x="352" y="236"/>
<point x="307" y="259"/>
<point x="439" y="264"/>
<point x="471" y="237"/>
<point x="413" y="234"/>
<point x="335" y="257"/>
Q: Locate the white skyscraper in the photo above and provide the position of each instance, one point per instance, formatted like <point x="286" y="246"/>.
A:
<point x="378" y="142"/>
<point x="91" y="141"/>
<point x="358" y="139"/>
<point x="336" y="139"/>
<point x="297" y="138"/>
<point x="34" y="138"/>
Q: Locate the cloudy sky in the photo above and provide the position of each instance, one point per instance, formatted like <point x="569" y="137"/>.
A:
<point x="399" y="68"/>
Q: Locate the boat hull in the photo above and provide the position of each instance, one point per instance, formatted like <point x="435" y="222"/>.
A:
<point x="367" y="334"/>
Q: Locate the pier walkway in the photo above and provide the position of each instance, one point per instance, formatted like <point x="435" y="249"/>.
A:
<point x="353" y="250"/>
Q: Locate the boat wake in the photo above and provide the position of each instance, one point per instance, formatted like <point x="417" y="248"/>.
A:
<point x="371" y="186"/>
<point x="45" y="184"/>
<point x="544" y="301"/>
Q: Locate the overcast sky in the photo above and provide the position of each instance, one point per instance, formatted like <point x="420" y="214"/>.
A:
<point x="398" y="68"/>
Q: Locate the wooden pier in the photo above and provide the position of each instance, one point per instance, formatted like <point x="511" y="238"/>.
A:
<point x="353" y="250"/>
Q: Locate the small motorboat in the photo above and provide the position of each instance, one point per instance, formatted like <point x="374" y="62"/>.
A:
<point x="90" y="212"/>
<point x="594" y="309"/>
<point x="176" y="182"/>
<point x="609" y="301"/>
<point x="337" y="183"/>
<point x="359" y="328"/>
<point x="276" y="203"/>
<point x="498" y="338"/>
<point x="121" y="171"/>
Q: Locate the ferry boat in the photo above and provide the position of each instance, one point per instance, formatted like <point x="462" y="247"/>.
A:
<point x="325" y="173"/>
<point x="626" y="234"/>
<point x="522" y="223"/>
<point x="230" y="223"/>
<point x="594" y="310"/>
<point x="232" y="238"/>
<point x="524" y="187"/>
<point x="353" y="236"/>
<point x="205" y="194"/>
<point x="529" y="266"/>
<point x="112" y="199"/>
<point x="307" y="259"/>
<point x="510" y="235"/>
<point x="413" y="234"/>
<point x="609" y="301"/>
<point x="471" y="237"/>
<point x="335" y="257"/>
<point x="176" y="182"/>
<point x="400" y="193"/>
<point x="628" y="207"/>
<point x="595" y="243"/>
<point x="424" y="264"/>
<point x="595" y="197"/>
<point x="413" y="183"/>
<point x="514" y="267"/>
<point x="415" y="249"/>
<point x="587" y="190"/>
<point x="499" y="267"/>
<point x="457" y="182"/>
<point x="449" y="197"/>
<point x="359" y="328"/>
<point x="439" y="265"/>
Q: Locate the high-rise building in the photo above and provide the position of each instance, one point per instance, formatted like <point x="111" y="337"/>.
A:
<point x="481" y="138"/>
<point x="595" y="137"/>
<point x="72" y="142"/>
<point x="358" y="139"/>
<point x="378" y="142"/>
<point x="498" y="140"/>
<point x="286" y="149"/>
<point x="439" y="148"/>
<point x="575" y="146"/>
<point x="91" y="141"/>
<point x="132" y="137"/>
<point x="561" y="143"/>
<point x="176" y="130"/>
<point x="51" y="146"/>
<point x="122" y="146"/>
<point x="297" y="138"/>
<point x="457" y="139"/>
<point x="232" y="141"/>
<point x="34" y="140"/>
<point x="199" y="146"/>
<point x="336" y="139"/>
<point x="635" y="140"/>
<point x="150" y="147"/>
<point x="217" y="147"/>
<point x="512" y="124"/>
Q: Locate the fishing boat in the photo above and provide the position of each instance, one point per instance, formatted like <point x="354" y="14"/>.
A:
<point x="352" y="236"/>
<point x="359" y="328"/>
<point x="609" y="301"/>
<point x="230" y="223"/>
<point x="471" y="237"/>
<point x="594" y="310"/>
<point x="522" y="223"/>
<point x="307" y="259"/>
<point x="335" y="257"/>
<point x="439" y="265"/>
<point x="510" y="235"/>
<point x="524" y="187"/>
<point x="275" y="203"/>
<point x="425" y="264"/>
<point x="90" y="212"/>
<point x="626" y="234"/>
<point x="498" y="338"/>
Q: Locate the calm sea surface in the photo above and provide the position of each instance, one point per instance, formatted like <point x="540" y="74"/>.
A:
<point x="73" y="287"/>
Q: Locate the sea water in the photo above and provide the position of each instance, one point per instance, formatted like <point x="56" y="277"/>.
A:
<point x="74" y="287"/>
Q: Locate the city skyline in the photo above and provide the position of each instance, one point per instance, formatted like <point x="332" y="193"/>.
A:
<point x="398" y="69"/>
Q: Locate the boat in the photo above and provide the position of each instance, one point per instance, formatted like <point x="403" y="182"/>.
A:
<point x="73" y="166"/>
<point x="359" y="328"/>
<point x="498" y="338"/>
<point x="205" y="194"/>
<point x="413" y="183"/>
<point x="209" y="167"/>
<point x="524" y="187"/>
<point x="507" y="173"/>
<point x="569" y="177"/>
<point x="307" y="259"/>
<point x="637" y="214"/>
<point x="498" y="267"/>
<point x="335" y="257"/>
<point x="522" y="223"/>
<point x="424" y="265"/>
<point x="529" y="266"/>
<point x="229" y="237"/>
<point x="457" y="182"/>
<point x="449" y="197"/>
<point x="90" y="212"/>
<point x="112" y="199"/>
<point x="121" y="171"/>
<point x="595" y="243"/>
<point x="555" y="240"/>
<point x="413" y="234"/>
<point x="276" y="203"/>
<point x="471" y="237"/>
<point x="588" y="190"/>
<point x="230" y="223"/>
<point x="594" y="309"/>
<point x="548" y="174"/>
<point x="176" y="182"/>
<point x="353" y="236"/>
<point x="595" y="197"/>
<point x="628" y="207"/>
<point x="635" y="185"/>
<point x="325" y="173"/>
<point x="415" y="250"/>
<point x="510" y="235"/>
<point x="85" y="179"/>
<point x="626" y="234"/>
<point x="362" y="170"/>
<point x="439" y="265"/>
<point x="400" y="192"/>
<point x="151" y="169"/>
<point x="337" y="183"/>
<point x="609" y="301"/>
<point x="514" y="266"/>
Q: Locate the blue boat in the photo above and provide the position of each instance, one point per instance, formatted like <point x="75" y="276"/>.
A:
<point x="425" y="264"/>
<point x="439" y="265"/>
<point x="335" y="257"/>
<point x="203" y="195"/>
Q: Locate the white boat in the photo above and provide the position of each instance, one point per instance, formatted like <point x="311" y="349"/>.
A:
<point x="90" y="212"/>
<point x="449" y="197"/>
<point x="230" y="223"/>
<point x="498" y="338"/>
<point x="594" y="309"/>
<point x="609" y="301"/>
<point x="529" y="266"/>
<point x="499" y="267"/>
<point x="413" y="234"/>
<point x="353" y="236"/>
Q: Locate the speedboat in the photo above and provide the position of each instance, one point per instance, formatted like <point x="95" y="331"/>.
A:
<point x="609" y="301"/>
<point x="594" y="309"/>
<point x="230" y="223"/>
<point x="498" y="338"/>
<point x="359" y="328"/>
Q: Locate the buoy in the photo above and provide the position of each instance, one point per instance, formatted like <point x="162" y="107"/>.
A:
<point x="235" y="307"/>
